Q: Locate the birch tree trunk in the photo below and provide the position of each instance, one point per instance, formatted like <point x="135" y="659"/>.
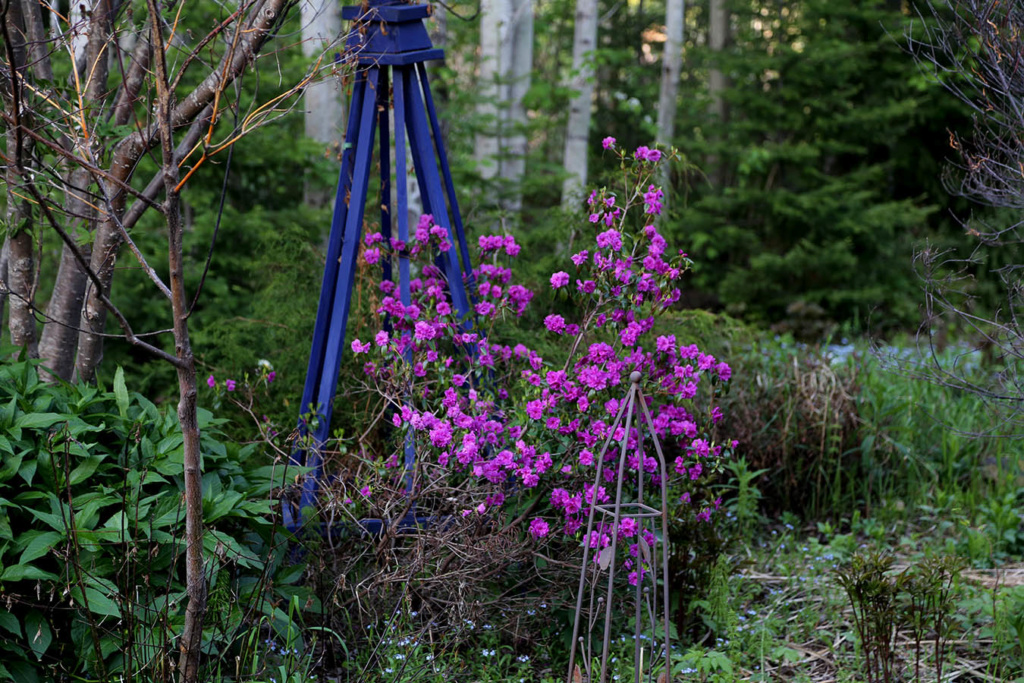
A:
<point x="577" y="133"/>
<point x="254" y="30"/>
<point x="718" y="40"/>
<point x="513" y="167"/>
<point x="59" y="343"/>
<point x="494" y="53"/>
<point x="21" y="262"/>
<point x="322" y="100"/>
<point x="671" y="67"/>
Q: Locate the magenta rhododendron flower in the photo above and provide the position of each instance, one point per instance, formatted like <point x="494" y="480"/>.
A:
<point x="644" y="153"/>
<point x="555" y="323"/>
<point x="424" y="331"/>
<point x="628" y="527"/>
<point x="211" y="382"/>
<point x="271" y="376"/>
<point x="229" y="384"/>
<point x="610" y="239"/>
<point x="608" y="142"/>
<point x="539" y="528"/>
<point x="508" y="424"/>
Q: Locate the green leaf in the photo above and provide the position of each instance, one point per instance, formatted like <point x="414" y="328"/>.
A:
<point x="224" y="504"/>
<point x="38" y="420"/>
<point x="121" y="392"/>
<point x="98" y="602"/>
<point x="10" y="623"/>
<point x="85" y="469"/>
<point x="52" y="520"/>
<point x="120" y="525"/>
<point x="11" y="465"/>
<point x="37" y="543"/>
<point x="23" y="672"/>
<point x="22" y="572"/>
<point x="221" y="544"/>
<point x="38" y="633"/>
<point x="28" y="470"/>
<point x="7" y="412"/>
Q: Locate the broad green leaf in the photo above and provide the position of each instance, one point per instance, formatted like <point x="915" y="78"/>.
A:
<point x="152" y="412"/>
<point x="10" y="623"/>
<point x="11" y="465"/>
<point x="169" y="443"/>
<point x="28" y="470"/>
<point x="39" y="420"/>
<point x="85" y="469"/>
<point x="219" y="543"/>
<point x="52" y="520"/>
<point x="98" y="603"/>
<point x="290" y="574"/>
<point x="119" y="525"/>
<point x="21" y="572"/>
<point x="38" y="633"/>
<point x="23" y="672"/>
<point x="121" y="392"/>
<point x="37" y="543"/>
<point x="171" y="464"/>
<point x="224" y="504"/>
<point x="8" y="411"/>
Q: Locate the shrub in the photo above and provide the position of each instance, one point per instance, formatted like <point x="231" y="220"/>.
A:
<point x="507" y="443"/>
<point x="91" y="528"/>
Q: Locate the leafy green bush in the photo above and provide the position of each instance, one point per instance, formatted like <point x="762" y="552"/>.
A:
<point x="91" y="528"/>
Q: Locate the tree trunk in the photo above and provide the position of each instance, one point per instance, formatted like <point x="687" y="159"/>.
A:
<point x="195" y="577"/>
<point x="322" y="99"/>
<point x="493" y="79"/>
<point x="21" y="280"/>
<point x="513" y="167"/>
<point x="59" y="342"/>
<point x="718" y="40"/>
<point x="108" y="237"/>
<point x="672" y="63"/>
<point x="21" y="261"/>
<point x="5" y="255"/>
<point x="577" y="133"/>
<point x="106" y="244"/>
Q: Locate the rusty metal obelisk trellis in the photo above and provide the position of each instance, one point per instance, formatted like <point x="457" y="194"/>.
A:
<point x="605" y="526"/>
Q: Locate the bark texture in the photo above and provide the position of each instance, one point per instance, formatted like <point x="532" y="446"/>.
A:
<point x="21" y="260"/>
<point x="671" y="68"/>
<point x="195" y="577"/>
<point x="324" y="116"/>
<point x="59" y="342"/>
<point x="513" y="167"/>
<point x="494" y="38"/>
<point x="577" y="132"/>
<point x="109" y="236"/>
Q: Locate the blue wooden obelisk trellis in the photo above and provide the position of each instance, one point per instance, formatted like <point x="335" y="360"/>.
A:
<point x="390" y="44"/>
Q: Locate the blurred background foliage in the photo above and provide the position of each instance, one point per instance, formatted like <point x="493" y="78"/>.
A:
<point x="802" y="207"/>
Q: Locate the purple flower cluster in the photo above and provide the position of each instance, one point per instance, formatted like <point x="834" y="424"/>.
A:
<point x="502" y="418"/>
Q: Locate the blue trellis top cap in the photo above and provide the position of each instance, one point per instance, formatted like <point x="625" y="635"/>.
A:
<point x="389" y="32"/>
